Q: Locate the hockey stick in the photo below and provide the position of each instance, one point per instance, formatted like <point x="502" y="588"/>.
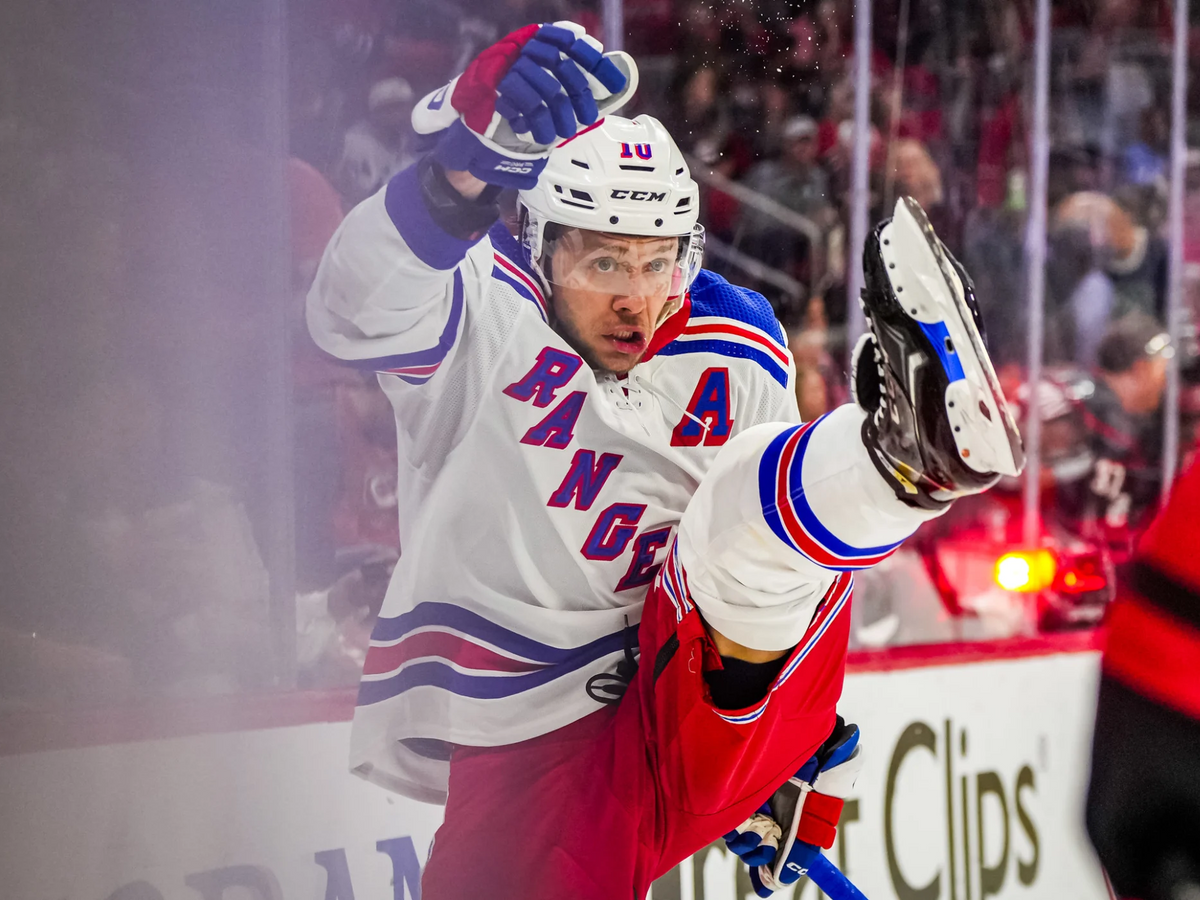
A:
<point x="820" y="871"/>
<point x="1112" y="895"/>
<point x="829" y="878"/>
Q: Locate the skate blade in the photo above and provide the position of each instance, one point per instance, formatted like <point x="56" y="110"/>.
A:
<point x="932" y="295"/>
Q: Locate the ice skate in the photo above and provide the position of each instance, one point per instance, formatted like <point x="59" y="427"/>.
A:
<point x="938" y="426"/>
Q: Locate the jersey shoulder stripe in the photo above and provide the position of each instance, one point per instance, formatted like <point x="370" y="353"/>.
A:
<point x="674" y="583"/>
<point x="506" y="272"/>
<point x="732" y="349"/>
<point x="714" y="297"/>
<point x="445" y="646"/>
<point x="735" y="322"/>
<point x="511" y="268"/>
<point x="789" y="515"/>
<point x="834" y="604"/>
<point x="419" y="366"/>
<point x="716" y="328"/>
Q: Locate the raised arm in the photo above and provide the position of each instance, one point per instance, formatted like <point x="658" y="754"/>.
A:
<point x="390" y="289"/>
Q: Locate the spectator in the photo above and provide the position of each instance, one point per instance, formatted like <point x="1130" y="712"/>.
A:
<point x="315" y="211"/>
<point x="333" y="626"/>
<point x="1137" y="264"/>
<point x="1133" y="363"/>
<point x="835" y="34"/>
<point x="1082" y="297"/>
<point x="1191" y="208"/>
<point x="1065" y="447"/>
<point x="1073" y="169"/>
<point x="721" y="211"/>
<point x="1146" y="158"/>
<point x="795" y="179"/>
<point x="1133" y="258"/>
<point x="1124" y="423"/>
<point x="701" y="117"/>
<point x="700" y="36"/>
<point x="813" y="364"/>
<point x="774" y="118"/>
<point x="917" y="175"/>
<point x="812" y="393"/>
<point x="799" y="183"/>
<point x="992" y="254"/>
<point x="380" y="145"/>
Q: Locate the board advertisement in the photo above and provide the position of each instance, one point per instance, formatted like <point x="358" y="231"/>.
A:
<point x="972" y="788"/>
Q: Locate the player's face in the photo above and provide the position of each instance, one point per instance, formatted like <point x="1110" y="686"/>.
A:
<point x="609" y="292"/>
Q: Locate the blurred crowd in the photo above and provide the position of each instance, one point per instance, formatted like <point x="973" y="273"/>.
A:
<point x="760" y="95"/>
<point x="153" y="502"/>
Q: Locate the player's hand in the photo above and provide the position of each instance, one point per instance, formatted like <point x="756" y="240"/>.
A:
<point x="808" y="807"/>
<point x="756" y="840"/>
<point x="538" y="85"/>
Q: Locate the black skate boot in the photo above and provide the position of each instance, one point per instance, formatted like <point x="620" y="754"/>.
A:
<point x="938" y="426"/>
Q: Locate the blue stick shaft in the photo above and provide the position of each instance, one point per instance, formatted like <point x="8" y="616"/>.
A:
<point x="829" y="878"/>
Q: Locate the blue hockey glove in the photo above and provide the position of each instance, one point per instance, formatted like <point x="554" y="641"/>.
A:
<point x="756" y="840"/>
<point x="808" y="807"/>
<point x="540" y="84"/>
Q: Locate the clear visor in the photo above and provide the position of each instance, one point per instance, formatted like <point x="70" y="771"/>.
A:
<point x="657" y="270"/>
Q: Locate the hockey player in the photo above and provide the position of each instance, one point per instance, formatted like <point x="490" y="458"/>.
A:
<point x="1143" y="810"/>
<point x="560" y="398"/>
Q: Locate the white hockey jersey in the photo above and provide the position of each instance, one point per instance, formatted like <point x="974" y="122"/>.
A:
<point x="537" y="498"/>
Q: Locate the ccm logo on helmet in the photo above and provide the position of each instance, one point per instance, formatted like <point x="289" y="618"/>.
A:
<point x="625" y="194"/>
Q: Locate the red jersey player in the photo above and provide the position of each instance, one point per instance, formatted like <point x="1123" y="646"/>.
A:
<point x="1143" y="810"/>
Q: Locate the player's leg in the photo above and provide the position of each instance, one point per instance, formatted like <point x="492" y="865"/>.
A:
<point x="764" y="559"/>
<point x="553" y="817"/>
<point x="786" y="512"/>
<point x="714" y="766"/>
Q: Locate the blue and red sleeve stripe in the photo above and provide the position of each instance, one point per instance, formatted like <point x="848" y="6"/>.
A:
<point x="789" y="514"/>
<point x="520" y="281"/>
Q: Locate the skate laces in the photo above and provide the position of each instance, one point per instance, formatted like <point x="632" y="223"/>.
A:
<point x="872" y="396"/>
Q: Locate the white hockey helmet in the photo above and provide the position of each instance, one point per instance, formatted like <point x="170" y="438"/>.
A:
<point x="619" y="177"/>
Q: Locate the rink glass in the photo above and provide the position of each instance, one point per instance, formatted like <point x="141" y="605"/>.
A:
<point x="198" y="502"/>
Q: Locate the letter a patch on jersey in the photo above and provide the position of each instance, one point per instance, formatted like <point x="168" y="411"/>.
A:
<point x="707" y="420"/>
